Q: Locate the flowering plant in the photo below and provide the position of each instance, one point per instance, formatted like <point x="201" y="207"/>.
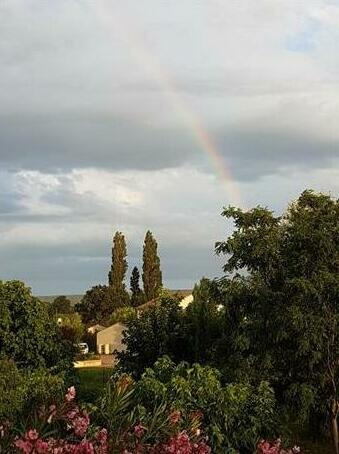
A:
<point x="71" y="425"/>
<point x="275" y="447"/>
<point x="71" y="433"/>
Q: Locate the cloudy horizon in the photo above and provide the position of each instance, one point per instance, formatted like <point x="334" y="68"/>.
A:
<point x="154" y="115"/>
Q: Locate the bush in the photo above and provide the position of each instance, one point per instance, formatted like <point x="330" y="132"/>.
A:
<point x="66" y="428"/>
<point x="234" y="416"/>
<point x="21" y="392"/>
<point x="41" y="389"/>
<point x="11" y="390"/>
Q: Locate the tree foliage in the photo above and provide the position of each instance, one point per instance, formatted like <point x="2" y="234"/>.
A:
<point x="96" y="305"/>
<point x="28" y="335"/>
<point x="137" y="295"/>
<point x="274" y="315"/>
<point x="72" y="327"/>
<point x="61" y="305"/>
<point x="292" y="318"/>
<point x="116" y="276"/>
<point x="234" y="416"/>
<point x="153" y="333"/>
<point x="151" y="272"/>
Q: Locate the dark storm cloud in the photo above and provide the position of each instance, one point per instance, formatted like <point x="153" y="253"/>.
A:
<point x="253" y="153"/>
<point x="66" y="141"/>
<point x="54" y="143"/>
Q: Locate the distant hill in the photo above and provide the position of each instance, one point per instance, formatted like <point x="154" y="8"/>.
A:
<point x="74" y="299"/>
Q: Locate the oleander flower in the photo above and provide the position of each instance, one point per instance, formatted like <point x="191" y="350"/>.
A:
<point x="139" y="430"/>
<point x="70" y="394"/>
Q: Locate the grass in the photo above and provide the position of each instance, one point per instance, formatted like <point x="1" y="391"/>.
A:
<point x="92" y="382"/>
<point x="320" y="447"/>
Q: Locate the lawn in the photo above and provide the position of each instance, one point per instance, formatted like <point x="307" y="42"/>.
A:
<point x="92" y="381"/>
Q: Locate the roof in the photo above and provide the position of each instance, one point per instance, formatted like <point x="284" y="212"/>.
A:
<point x="111" y="335"/>
<point x="184" y="295"/>
<point x="97" y="327"/>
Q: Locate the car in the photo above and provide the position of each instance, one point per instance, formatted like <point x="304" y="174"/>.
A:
<point x="83" y="348"/>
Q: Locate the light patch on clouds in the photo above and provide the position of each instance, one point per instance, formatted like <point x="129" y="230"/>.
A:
<point x="181" y="206"/>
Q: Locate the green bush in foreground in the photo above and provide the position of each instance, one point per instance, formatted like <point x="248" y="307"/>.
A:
<point x="234" y="416"/>
<point x="22" y="392"/>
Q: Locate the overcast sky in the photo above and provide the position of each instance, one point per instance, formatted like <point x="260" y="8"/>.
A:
<point x="154" y="114"/>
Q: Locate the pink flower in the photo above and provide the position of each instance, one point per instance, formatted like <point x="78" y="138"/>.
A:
<point x="85" y="447"/>
<point x="139" y="431"/>
<point x="73" y="413"/>
<point x="102" y="436"/>
<point x="265" y="447"/>
<point x="181" y="444"/>
<point x="41" y="447"/>
<point x="80" y="424"/>
<point x="32" y="435"/>
<point x="102" y="439"/>
<point x="70" y="394"/>
<point x="23" y="445"/>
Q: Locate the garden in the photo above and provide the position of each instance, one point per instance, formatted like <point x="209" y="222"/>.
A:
<point x="250" y="366"/>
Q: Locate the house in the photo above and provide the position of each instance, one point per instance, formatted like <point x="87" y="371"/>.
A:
<point x="184" y="302"/>
<point x="110" y="339"/>
<point x="95" y="328"/>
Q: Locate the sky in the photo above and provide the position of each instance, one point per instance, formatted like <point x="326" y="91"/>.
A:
<point x="134" y="115"/>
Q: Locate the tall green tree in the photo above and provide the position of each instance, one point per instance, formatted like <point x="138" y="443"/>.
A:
<point x="137" y="295"/>
<point x="292" y="316"/>
<point x="117" y="274"/>
<point x="28" y="335"/>
<point x="151" y="275"/>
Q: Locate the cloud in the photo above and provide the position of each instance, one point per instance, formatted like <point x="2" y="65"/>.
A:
<point x="102" y="114"/>
<point x="70" y="250"/>
<point x="255" y="154"/>
<point x="69" y="141"/>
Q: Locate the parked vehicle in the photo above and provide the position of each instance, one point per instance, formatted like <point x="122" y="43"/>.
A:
<point x="83" y="348"/>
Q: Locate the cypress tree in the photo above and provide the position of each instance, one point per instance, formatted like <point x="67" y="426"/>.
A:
<point x="137" y="296"/>
<point x="151" y="275"/>
<point x="116" y="276"/>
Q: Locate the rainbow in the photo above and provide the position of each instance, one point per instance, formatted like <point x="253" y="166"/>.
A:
<point x="194" y="124"/>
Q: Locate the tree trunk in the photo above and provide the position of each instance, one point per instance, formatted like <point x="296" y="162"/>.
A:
<point x="334" y="426"/>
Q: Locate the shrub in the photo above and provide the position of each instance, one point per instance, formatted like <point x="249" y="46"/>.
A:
<point x="65" y="428"/>
<point x="275" y="447"/>
<point x="234" y="416"/>
<point x="22" y="392"/>
<point x="11" y="390"/>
